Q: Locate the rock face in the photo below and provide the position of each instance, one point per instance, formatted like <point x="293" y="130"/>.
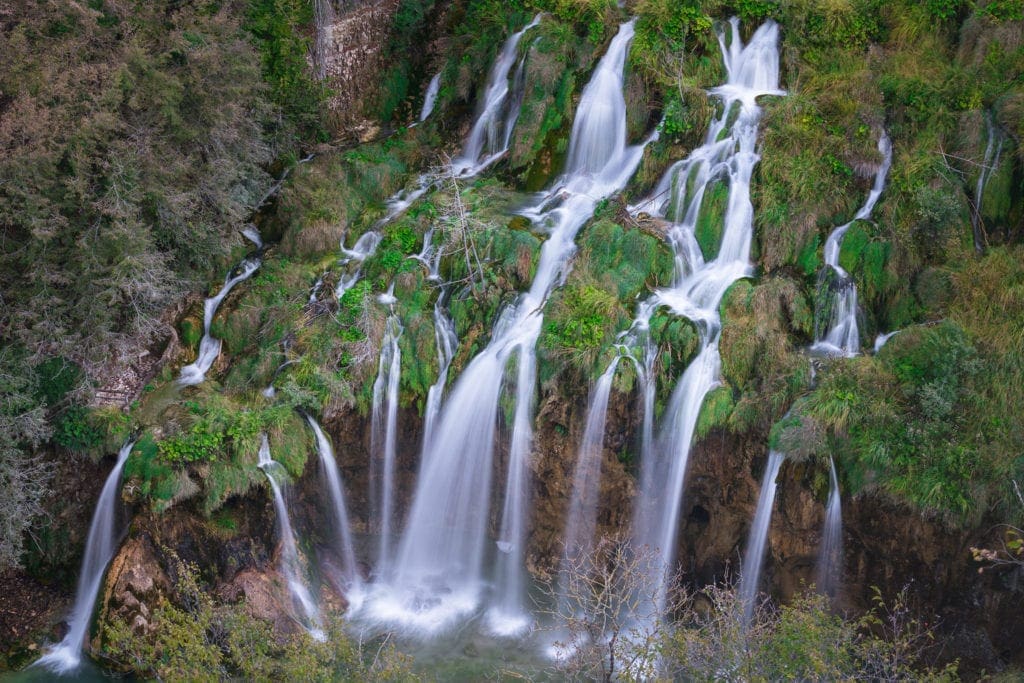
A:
<point x="135" y="584"/>
<point x="353" y="55"/>
<point x="885" y="545"/>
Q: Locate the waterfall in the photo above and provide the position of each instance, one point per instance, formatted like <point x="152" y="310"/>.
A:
<point x="727" y="154"/>
<point x="290" y="566"/>
<point x="830" y="555"/>
<point x="209" y="347"/>
<point x="363" y="249"/>
<point x="329" y="469"/>
<point x="383" y="434"/>
<point x="753" y="557"/>
<point x="882" y="339"/>
<point x="99" y="550"/>
<point x="430" y="97"/>
<point x="253" y="235"/>
<point x="489" y="138"/>
<point x="581" y="521"/>
<point x="843" y="335"/>
<point x="507" y="615"/>
<point x="990" y="164"/>
<point x="270" y="391"/>
<point x="447" y="343"/>
<point x="438" y="575"/>
<point x="314" y="292"/>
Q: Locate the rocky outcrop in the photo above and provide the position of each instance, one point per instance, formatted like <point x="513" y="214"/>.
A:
<point x="353" y="53"/>
<point x="135" y="585"/>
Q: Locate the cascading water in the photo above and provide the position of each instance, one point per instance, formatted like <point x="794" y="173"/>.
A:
<point x="990" y="164"/>
<point x="209" y="347"/>
<point x="727" y="154"/>
<point x="843" y="335"/>
<point x="882" y="339"/>
<point x="270" y="391"/>
<point x="99" y="550"/>
<point x="447" y="343"/>
<point x="830" y="555"/>
<point x="430" y="97"/>
<point x="489" y="138"/>
<point x="753" y="557"/>
<point x="507" y="615"/>
<point x="253" y="235"/>
<point x="329" y="470"/>
<point x="438" y="575"/>
<point x="581" y="522"/>
<point x="290" y="566"/>
<point x="353" y="259"/>
<point x="383" y="434"/>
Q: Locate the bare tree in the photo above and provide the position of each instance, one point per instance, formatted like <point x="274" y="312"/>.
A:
<point x="605" y="606"/>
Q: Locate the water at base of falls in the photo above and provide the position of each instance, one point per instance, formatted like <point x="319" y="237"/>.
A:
<point x="438" y="578"/>
<point x="99" y="550"/>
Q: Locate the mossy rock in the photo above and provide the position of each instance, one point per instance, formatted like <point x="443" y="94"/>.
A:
<point x="715" y="411"/>
<point x="711" y="219"/>
<point x="191" y="329"/>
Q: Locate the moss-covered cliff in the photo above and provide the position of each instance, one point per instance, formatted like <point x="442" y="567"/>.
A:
<point x="173" y="152"/>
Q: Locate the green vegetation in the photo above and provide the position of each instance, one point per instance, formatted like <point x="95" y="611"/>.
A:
<point x="196" y="638"/>
<point x="138" y="138"/>
<point x="280" y="30"/>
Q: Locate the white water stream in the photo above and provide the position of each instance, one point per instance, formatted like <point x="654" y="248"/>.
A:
<point x="99" y="550"/>
<point x="993" y="151"/>
<point x="383" y="436"/>
<point x="753" y="556"/>
<point x="581" y="522"/>
<point x="291" y="568"/>
<point x="830" y="554"/>
<point x="447" y="342"/>
<point x="209" y="347"/>
<point x="727" y="155"/>
<point x="430" y="97"/>
<point x="342" y="529"/>
<point x="499" y="110"/>
<point x="438" y="576"/>
<point x="843" y="335"/>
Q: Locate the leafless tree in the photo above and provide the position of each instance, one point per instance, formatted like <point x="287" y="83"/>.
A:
<point x="606" y="604"/>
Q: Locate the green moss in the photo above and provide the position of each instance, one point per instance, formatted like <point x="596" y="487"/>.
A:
<point x="191" y="332"/>
<point x="854" y="243"/>
<point x="711" y="219"/>
<point x="716" y="411"/>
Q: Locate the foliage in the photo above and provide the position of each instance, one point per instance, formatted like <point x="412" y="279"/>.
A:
<point x="196" y="638"/>
<point x="280" y="30"/>
<point x="582" y="323"/>
<point x="803" y="640"/>
<point x="24" y="477"/>
<point x="603" y="597"/>
<point x="134" y="144"/>
<point x="74" y="431"/>
<point x="908" y="421"/>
